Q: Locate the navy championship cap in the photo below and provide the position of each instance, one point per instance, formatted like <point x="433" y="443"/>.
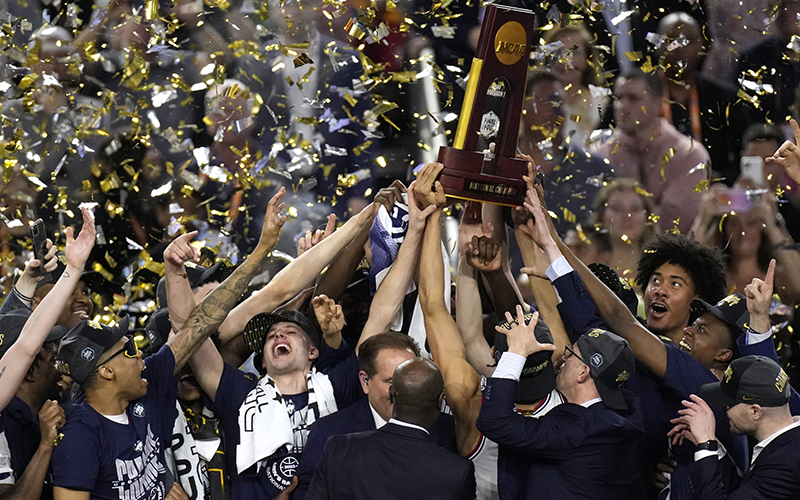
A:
<point x="255" y="331"/>
<point x="85" y="344"/>
<point x="538" y="377"/>
<point x="611" y="362"/>
<point x="11" y="324"/>
<point x="732" y="310"/>
<point x="752" y="380"/>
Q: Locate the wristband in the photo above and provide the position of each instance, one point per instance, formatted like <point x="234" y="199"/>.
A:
<point x="712" y="445"/>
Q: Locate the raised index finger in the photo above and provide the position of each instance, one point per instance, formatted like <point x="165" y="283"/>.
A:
<point x="796" y="130"/>
<point x="770" y="277"/>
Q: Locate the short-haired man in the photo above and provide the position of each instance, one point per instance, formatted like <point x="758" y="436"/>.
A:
<point x="647" y="148"/>
<point x="580" y="448"/>
<point x="397" y="461"/>
<point x="114" y="439"/>
<point x="755" y="390"/>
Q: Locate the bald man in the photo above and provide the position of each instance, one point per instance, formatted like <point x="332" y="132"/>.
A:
<point x="397" y="461"/>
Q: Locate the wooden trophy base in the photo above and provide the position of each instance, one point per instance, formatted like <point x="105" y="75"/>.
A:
<point x="465" y="176"/>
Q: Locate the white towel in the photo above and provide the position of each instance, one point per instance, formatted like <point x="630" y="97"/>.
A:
<point x="264" y="412"/>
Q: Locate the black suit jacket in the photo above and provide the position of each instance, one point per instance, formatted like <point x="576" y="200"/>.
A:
<point x="391" y="463"/>
<point x="356" y="418"/>
<point x="774" y="474"/>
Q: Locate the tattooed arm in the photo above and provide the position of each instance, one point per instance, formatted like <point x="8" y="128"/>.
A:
<point x="15" y="362"/>
<point x="213" y="309"/>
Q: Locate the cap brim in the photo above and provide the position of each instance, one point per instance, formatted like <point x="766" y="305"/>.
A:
<point x="533" y="388"/>
<point x="612" y="398"/>
<point x="206" y="275"/>
<point x="714" y="396"/>
<point x="704" y="307"/>
<point x="255" y="331"/>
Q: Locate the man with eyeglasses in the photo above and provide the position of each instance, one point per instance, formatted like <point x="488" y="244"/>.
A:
<point x="755" y="390"/>
<point x="579" y="449"/>
<point x="114" y="439"/>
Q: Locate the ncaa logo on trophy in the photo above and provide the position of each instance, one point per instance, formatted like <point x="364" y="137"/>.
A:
<point x="491" y="113"/>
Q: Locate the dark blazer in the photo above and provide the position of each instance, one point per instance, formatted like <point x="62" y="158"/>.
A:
<point x="356" y="418"/>
<point x="570" y="452"/>
<point x="774" y="474"/>
<point x="391" y="463"/>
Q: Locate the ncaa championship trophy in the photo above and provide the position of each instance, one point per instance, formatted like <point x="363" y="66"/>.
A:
<point x="491" y="113"/>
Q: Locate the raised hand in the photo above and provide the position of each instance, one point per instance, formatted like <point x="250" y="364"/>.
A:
<point x="329" y="315"/>
<point x="536" y="228"/>
<point x="695" y="423"/>
<point x="788" y="155"/>
<point x="521" y="336"/>
<point x="387" y="196"/>
<point x="273" y="222"/>
<point x="485" y="253"/>
<point x="759" y="298"/>
<point x="429" y="191"/>
<point x="78" y="249"/>
<point x="417" y="217"/>
<point x="51" y="419"/>
<point x="34" y="270"/>
<point x="181" y="251"/>
<point x="310" y="239"/>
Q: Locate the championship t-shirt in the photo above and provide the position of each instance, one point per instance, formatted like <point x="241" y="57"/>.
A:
<point x="267" y="480"/>
<point x="122" y="461"/>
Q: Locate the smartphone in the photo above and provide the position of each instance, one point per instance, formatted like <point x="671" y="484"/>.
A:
<point x="752" y="167"/>
<point x="733" y="200"/>
<point x="39" y="243"/>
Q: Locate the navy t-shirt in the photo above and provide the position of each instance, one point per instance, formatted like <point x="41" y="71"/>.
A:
<point x="122" y="461"/>
<point x="268" y="481"/>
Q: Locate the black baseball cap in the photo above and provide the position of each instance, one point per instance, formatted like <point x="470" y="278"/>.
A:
<point x="11" y="324"/>
<point x="197" y="275"/>
<point x="752" y="380"/>
<point x="617" y="284"/>
<point x="611" y="362"/>
<point x="157" y="329"/>
<point x="538" y="376"/>
<point x="85" y="344"/>
<point x="732" y="310"/>
<point x="255" y="331"/>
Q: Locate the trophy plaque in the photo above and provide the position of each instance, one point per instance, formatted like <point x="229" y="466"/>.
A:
<point x="491" y="113"/>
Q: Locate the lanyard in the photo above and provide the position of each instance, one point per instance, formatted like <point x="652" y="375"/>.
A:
<point x="694" y="112"/>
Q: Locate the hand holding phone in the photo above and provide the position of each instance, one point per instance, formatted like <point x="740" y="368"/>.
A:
<point x="39" y="243"/>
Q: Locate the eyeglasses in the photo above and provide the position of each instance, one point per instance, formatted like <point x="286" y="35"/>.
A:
<point x="568" y="349"/>
<point x="131" y="350"/>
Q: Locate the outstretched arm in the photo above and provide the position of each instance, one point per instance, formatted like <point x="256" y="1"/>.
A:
<point x="469" y="310"/>
<point x="15" y="362"/>
<point x="209" y="314"/>
<point x="293" y="278"/>
<point x="178" y="252"/>
<point x="462" y="383"/>
<point x="389" y="298"/>
<point x="788" y="155"/>
<point x="649" y="350"/>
